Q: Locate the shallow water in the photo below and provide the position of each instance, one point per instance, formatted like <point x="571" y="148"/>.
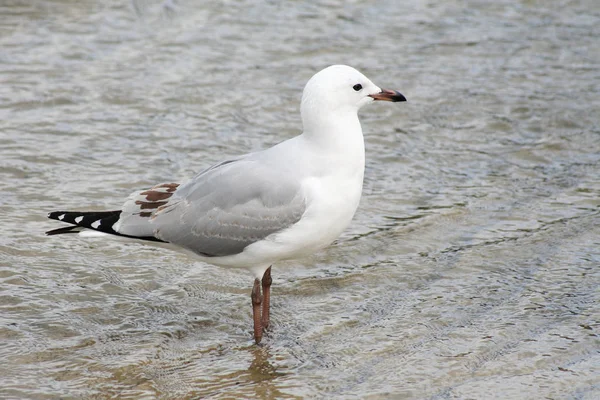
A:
<point x="471" y="269"/>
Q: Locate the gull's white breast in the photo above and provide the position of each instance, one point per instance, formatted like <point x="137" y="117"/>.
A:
<point x="331" y="204"/>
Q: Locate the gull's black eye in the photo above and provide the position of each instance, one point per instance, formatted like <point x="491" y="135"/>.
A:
<point x="357" y="87"/>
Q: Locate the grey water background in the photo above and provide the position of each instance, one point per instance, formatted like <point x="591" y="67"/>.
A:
<point x="470" y="271"/>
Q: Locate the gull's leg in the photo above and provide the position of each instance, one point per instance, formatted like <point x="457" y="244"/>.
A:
<point x="256" y="314"/>
<point x="266" y="289"/>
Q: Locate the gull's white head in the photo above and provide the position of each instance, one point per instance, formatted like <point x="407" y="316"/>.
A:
<point x="341" y="89"/>
<point x="341" y="86"/>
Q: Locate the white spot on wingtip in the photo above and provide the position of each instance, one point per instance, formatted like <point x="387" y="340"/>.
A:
<point x="61" y="217"/>
<point x="96" y="224"/>
<point x="78" y="219"/>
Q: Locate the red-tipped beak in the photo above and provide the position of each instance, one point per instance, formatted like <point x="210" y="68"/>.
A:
<point x="388" y="95"/>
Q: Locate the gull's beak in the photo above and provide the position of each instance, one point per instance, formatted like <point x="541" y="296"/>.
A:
<point x="388" y="95"/>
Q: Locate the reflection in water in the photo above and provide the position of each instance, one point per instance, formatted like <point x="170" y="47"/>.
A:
<point x="261" y="369"/>
<point x="263" y="375"/>
<point x="470" y="268"/>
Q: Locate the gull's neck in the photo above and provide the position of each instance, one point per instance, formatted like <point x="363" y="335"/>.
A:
<point x="338" y="131"/>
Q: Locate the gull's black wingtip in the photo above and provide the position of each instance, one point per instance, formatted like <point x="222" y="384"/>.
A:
<point x="56" y="215"/>
<point x="66" y="229"/>
<point x="101" y="221"/>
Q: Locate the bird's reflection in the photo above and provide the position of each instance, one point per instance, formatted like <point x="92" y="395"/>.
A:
<point x="260" y="368"/>
<point x="264" y="375"/>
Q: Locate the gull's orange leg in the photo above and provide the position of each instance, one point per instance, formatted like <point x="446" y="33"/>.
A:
<point x="256" y="311"/>
<point x="266" y="290"/>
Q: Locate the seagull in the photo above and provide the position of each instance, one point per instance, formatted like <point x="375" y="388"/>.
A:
<point x="254" y="210"/>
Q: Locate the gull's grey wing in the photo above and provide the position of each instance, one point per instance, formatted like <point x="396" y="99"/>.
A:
<point x="228" y="207"/>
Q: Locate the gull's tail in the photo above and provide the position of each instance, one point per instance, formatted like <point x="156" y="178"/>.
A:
<point x="101" y="221"/>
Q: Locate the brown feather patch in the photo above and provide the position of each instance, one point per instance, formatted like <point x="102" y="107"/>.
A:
<point x="144" y="205"/>
<point x="153" y="195"/>
<point x="160" y="192"/>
